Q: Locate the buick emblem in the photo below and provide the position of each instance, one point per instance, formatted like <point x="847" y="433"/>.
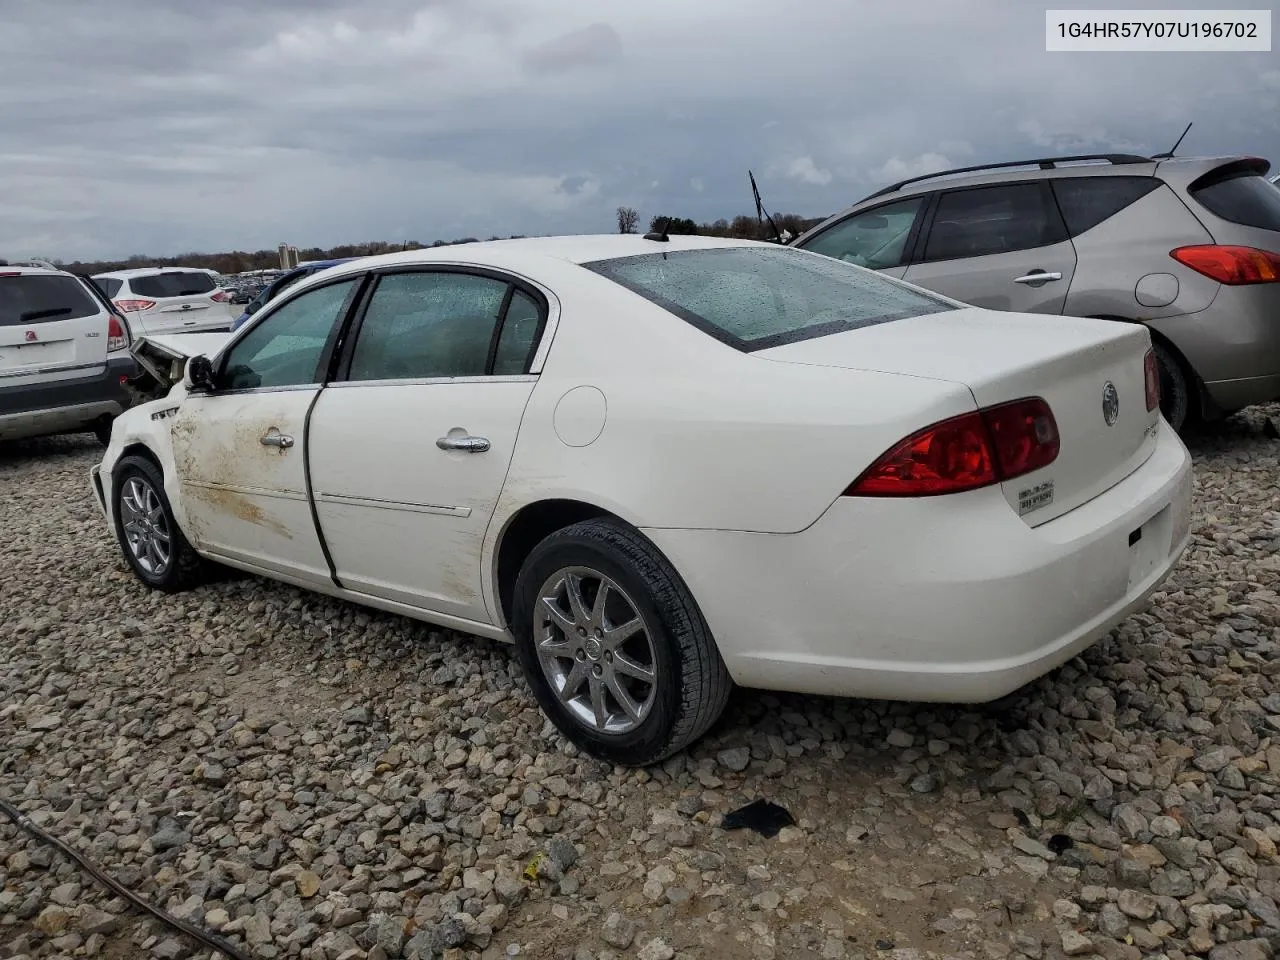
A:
<point x="1110" y="403"/>
<point x="30" y="336"/>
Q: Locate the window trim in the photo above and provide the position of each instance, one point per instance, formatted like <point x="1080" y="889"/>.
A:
<point x="913" y="235"/>
<point x="1046" y="197"/>
<point x="340" y="372"/>
<point x="323" y="364"/>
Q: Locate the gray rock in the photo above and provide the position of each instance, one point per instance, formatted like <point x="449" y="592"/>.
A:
<point x="562" y="851"/>
<point x="618" y="931"/>
<point x="735" y="758"/>
<point x="1112" y="922"/>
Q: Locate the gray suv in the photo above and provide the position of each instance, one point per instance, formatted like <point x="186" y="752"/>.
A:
<point x="1189" y="247"/>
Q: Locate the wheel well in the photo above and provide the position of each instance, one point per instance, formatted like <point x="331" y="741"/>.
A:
<point x="139" y="450"/>
<point x="1199" y="399"/>
<point x="526" y="530"/>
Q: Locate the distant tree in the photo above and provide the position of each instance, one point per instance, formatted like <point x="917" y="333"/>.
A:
<point x="628" y="219"/>
<point x="678" y="225"/>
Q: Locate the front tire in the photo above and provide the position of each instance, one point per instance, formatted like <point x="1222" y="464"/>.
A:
<point x="153" y="545"/>
<point x="614" y="646"/>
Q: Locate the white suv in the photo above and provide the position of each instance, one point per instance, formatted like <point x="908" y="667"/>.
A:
<point x="64" y="355"/>
<point x="167" y="299"/>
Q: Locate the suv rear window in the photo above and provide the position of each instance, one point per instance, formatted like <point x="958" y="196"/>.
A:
<point x="1087" y="201"/>
<point x="32" y="298"/>
<point x="172" y="284"/>
<point x="753" y="298"/>
<point x="1246" y="199"/>
<point x="110" y="286"/>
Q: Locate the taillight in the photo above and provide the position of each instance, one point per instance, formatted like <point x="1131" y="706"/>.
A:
<point x="966" y="452"/>
<point x="133" y="306"/>
<point x="1151" y="372"/>
<point x="117" y="336"/>
<point x="220" y="296"/>
<point x="1233" y="266"/>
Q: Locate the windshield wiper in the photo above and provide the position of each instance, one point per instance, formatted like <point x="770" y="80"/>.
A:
<point x="43" y="314"/>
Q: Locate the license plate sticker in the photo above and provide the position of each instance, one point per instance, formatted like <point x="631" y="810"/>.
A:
<point x="1034" y="498"/>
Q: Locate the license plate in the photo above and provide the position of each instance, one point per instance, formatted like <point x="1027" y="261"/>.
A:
<point x="34" y="354"/>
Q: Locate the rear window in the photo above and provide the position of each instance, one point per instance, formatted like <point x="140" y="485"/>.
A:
<point x="753" y="298"/>
<point x="1246" y="199"/>
<point x="1087" y="201"/>
<point x="172" y="284"/>
<point x="43" y="299"/>
<point x="110" y="286"/>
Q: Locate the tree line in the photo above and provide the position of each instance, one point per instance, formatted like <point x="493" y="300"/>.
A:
<point x="238" y="261"/>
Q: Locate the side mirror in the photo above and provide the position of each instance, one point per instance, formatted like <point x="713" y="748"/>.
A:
<point x="199" y="373"/>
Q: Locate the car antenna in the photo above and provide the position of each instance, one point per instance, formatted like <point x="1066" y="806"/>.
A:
<point x="1169" y="155"/>
<point x="761" y="212"/>
<point x="660" y="235"/>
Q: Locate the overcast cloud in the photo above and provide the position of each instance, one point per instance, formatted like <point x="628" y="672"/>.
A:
<point x="164" y="126"/>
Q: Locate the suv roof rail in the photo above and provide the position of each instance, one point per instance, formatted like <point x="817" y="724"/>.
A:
<point x="1044" y="163"/>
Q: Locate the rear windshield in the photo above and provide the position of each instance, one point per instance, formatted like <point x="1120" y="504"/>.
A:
<point x="43" y="299"/>
<point x="1247" y="199"/>
<point x="753" y="298"/>
<point x="172" y="284"/>
<point x="110" y="286"/>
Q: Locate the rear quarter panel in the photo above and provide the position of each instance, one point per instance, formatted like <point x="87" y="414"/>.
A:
<point x="691" y="433"/>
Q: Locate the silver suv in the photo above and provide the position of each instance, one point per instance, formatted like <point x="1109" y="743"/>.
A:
<point x="1189" y="247"/>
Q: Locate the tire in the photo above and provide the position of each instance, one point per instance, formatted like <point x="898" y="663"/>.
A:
<point x="1176" y="401"/>
<point x="139" y="485"/>
<point x="690" y="685"/>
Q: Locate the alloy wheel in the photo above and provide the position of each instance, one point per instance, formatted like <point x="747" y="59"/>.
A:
<point x="595" y="650"/>
<point x="146" y="530"/>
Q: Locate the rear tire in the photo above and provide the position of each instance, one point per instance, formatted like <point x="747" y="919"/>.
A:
<point x="153" y="544"/>
<point x="1176" y="401"/>
<point x="587" y="659"/>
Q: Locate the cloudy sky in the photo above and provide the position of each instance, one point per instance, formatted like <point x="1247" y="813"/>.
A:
<point x="165" y="126"/>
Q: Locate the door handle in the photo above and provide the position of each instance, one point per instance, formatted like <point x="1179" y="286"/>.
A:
<point x="1038" y="276"/>
<point x="281" y="440"/>
<point x="468" y="444"/>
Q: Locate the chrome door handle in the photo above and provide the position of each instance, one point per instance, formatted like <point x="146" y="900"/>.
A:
<point x="1038" y="277"/>
<point x="283" y="441"/>
<point x="469" y="444"/>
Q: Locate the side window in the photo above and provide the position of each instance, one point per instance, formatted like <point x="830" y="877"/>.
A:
<point x="874" y="238"/>
<point x="1087" y="201"/>
<point x="519" y="331"/>
<point x="422" y="325"/>
<point x="283" y="349"/>
<point x="987" y="220"/>
<point x="108" y="285"/>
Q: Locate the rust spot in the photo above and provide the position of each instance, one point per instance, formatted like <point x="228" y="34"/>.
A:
<point x="241" y="507"/>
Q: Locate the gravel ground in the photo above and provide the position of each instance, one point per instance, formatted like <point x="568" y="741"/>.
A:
<point x="315" y="780"/>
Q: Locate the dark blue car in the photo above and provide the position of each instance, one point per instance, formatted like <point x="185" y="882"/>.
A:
<point x="277" y="285"/>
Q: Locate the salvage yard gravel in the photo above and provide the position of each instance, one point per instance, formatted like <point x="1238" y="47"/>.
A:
<point x="309" y="779"/>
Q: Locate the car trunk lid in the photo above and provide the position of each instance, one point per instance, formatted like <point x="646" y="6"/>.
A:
<point x="183" y="302"/>
<point x="1090" y="372"/>
<point x="51" y="328"/>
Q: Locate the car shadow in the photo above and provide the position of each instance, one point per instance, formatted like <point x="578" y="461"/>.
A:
<point x="45" y="449"/>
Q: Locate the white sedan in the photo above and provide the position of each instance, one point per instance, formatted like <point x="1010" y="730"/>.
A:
<point x="662" y="466"/>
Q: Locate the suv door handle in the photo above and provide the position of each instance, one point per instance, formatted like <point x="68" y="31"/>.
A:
<point x="1038" y="276"/>
<point x="468" y="444"/>
<point x="283" y="441"/>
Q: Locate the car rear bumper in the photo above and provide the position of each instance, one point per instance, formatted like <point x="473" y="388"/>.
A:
<point x="63" y="406"/>
<point x="951" y="599"/>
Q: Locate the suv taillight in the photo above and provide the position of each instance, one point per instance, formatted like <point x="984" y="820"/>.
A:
<point x="1151" y="371"/>
<point x="133" y="306"/>
<point x="966" y="452"/>
<point x="1233" y="266"/>
<point x="117" y="334"/>
<point x="220" y="296"/>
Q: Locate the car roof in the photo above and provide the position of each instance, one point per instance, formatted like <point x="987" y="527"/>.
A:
<point x="528" y="252"/>
<point x="146" y="272"/>
<point x="13" y="268"/>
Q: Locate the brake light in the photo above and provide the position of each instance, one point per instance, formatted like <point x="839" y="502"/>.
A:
<point x="117" y="336"/>
<point x="1233" y="266"/>
<point x="220" y="296"/>
<point x="1151" y="372"/>
<point x="966" y="452"/>
<point x="133" y="306"/>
